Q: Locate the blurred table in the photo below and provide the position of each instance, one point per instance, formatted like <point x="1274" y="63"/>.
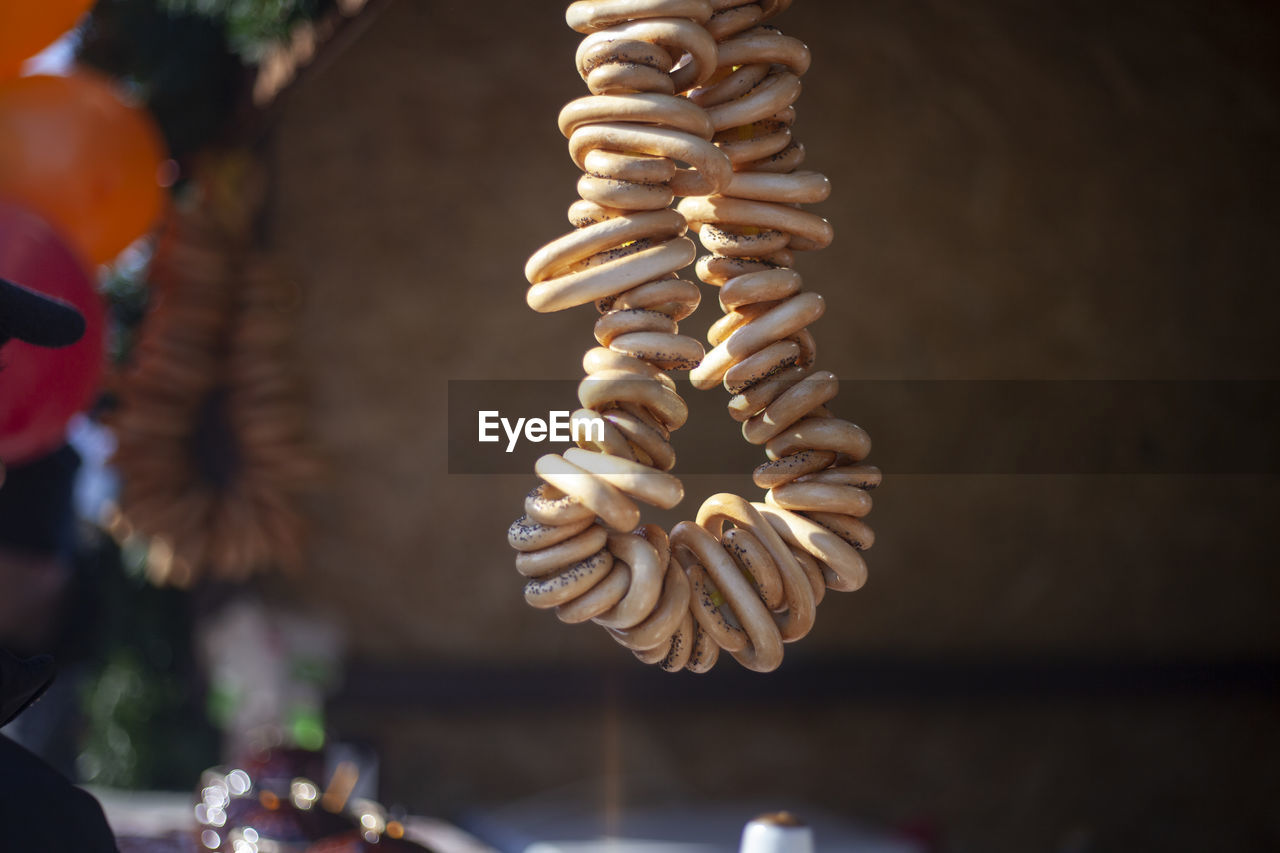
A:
<point x="163" y="822"/>
<point x="554" y="822"/>
<point x="568" y="821"/>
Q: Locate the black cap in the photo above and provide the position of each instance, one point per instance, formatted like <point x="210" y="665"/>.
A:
<point x="37" y="319"/>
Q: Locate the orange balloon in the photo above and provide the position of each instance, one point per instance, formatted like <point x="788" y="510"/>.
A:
<point x="72" y="151"/>
<point x="29" y="26"/>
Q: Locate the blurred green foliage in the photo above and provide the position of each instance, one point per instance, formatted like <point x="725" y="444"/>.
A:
<point x="144" y="724"/>
<point x="124" y="286"/>
<point x="251" y="25"/>
<point x="190" y="61"/>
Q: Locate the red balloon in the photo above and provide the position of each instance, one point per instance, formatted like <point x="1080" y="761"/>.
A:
<point x="41" y="388"/>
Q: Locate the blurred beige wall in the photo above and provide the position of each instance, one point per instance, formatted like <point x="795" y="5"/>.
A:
<point x="1021" y="191"/>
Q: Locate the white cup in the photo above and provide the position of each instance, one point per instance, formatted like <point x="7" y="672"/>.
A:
<point x="779" y="832"/>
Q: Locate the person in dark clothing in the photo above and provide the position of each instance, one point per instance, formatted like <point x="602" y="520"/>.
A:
<point x="41" y="811"/>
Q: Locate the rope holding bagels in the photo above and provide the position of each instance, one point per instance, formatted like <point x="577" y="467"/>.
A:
<point x="700" y="83"/>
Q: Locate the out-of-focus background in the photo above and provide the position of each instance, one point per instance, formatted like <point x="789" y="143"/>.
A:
<point x="1076" y="659"/>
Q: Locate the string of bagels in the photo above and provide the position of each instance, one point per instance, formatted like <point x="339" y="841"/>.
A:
<point x="692" y="100"/>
